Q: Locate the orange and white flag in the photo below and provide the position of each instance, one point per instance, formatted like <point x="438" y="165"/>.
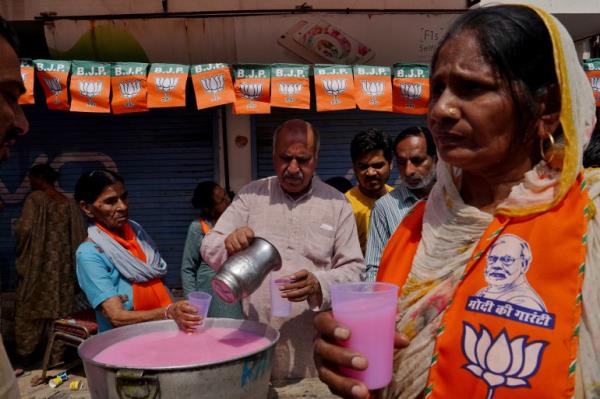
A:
<point x="373" y="87"/>
<point x="290" y="86"/>
<point x="27" y="72"/>
<point x="212" y="85"/>
<point x="166" y="85"/>
<point x="252" y="89"/>
<point x="592" y="69"/>
<point x="129" y="93"/>
<point x="53" y="77"/>
<point x="334" y="87"/>
<point x="90" y="87"/>
<point x="411" y="88"/>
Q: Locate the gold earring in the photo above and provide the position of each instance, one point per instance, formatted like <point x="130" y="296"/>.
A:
<point x="555" y="153"/>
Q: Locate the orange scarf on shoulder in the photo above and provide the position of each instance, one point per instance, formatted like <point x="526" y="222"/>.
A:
<point x="151" y="294"/>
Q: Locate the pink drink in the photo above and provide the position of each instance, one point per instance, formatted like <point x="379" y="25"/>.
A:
<point x="176" y="348"/>
<point x="370" y="315"/>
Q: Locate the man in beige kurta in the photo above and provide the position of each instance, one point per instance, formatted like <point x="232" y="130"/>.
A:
<point x="312" y="226"/>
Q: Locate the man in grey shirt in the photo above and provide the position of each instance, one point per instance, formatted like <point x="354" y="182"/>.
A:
<point x="312" y="226"/>
<point x="416" y="159"/>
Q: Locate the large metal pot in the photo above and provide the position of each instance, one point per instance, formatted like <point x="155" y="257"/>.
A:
<point x="246" y="376"/>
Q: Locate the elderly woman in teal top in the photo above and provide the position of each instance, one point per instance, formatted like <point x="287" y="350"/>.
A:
<point x="212" y="200"/>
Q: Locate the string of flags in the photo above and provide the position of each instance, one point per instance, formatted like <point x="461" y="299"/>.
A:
<point x="126" y="87"/>
<point x="592" y="69"/>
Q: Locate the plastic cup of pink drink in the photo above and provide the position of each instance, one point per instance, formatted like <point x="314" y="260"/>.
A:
<point x="201" y="301"/>
<point x="368" y="309"/>
<point x="280" y="307"/>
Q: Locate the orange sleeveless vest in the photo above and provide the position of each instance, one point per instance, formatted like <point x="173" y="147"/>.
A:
<point x="511" y="327"/>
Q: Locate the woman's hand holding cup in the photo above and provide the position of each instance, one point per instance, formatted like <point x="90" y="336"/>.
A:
<point x="185" y="315"/>
<point x="330" y="356"/>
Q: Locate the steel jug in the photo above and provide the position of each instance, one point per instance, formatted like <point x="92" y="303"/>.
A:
<point x="243" y="272"/>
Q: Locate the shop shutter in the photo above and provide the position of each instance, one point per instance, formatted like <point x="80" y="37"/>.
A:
<point x="337" y="130"/>
<point x="162" y="154"/>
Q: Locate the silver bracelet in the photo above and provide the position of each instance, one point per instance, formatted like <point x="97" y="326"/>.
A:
<point x="167" y="311"/>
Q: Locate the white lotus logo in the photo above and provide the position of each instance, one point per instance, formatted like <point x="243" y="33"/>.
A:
<point x="90" y="90"/>
<point x="251" y="91"/>
<point x="412" y="91"/>
<point x="166" y="85"/>
<point x="130" y="89"/>
<point x="55" y="87"/>
<point x="334" y="87"/>
<point x="499" y="361"/>
<point x="290" y="90"/>
<point x="595" y="81"/>
<point x="213" y="85"/>
<point x="373" y="89"/>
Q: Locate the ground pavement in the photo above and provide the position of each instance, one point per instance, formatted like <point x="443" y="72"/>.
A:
<point x="308" y="388"/>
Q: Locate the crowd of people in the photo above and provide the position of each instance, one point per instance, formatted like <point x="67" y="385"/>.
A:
<point x="493" y="233"/>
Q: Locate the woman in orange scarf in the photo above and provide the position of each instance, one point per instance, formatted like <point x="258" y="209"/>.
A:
<point x="500" y="268"/>
<point x="119" y="267"/>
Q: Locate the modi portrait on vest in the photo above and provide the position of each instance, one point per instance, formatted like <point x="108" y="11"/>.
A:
<point x="508" y="261"/>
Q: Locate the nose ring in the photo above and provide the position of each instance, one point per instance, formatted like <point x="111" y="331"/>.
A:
<point x="453" y="112"/>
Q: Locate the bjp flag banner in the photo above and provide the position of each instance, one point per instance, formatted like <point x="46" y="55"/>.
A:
<point x="373" y="87"/>
<point x="592" y="69"/>
<point x="252" y="89"/>
<point x="128" y="83"/>
<point x="166" y="85"/>
<point x="90" y="87"/>
<point x="212" y="85"/>
<point x="334" y="87"/>
<point x="411" y="88"/>
<point x="290" y="86"/>
<point x="53" y="77"/>
<point x="27" y="73"/>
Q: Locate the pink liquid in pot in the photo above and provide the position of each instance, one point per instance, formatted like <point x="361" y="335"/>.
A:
<point x="176" y="348"/>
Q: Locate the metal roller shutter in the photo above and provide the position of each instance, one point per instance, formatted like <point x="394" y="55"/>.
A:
<point x="337" y="130"/>
<point x="162" y="154"/>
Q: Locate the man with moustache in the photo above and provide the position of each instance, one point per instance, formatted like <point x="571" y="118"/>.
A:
<point x="12" y="124"/>
<point x="312" y="226"/>
<point x="371" y="152"/>
<point x="416" y="158"/>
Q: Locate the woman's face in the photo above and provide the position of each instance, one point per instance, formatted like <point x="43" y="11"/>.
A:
<point x="111" y="207"/>
<point x="471" y="112"/>
<point x="221" y="201"/>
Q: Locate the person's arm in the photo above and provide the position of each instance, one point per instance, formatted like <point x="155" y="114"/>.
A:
<point x="190" y="260"/>
<point x="347" y="264"/>
<point x="24" y="224"/>
<point x="376" y="240"/>
<point x="9" y="389"/>
<point x="233" y="221"/>
<point x="184" y="314"/>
